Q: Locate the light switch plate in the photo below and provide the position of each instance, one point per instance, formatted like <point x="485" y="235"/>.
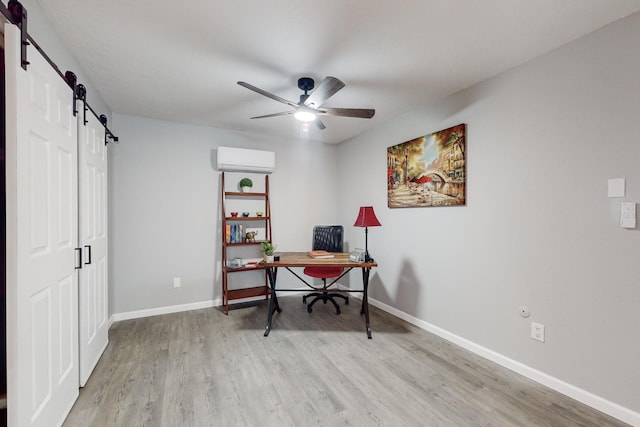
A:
<point x="616" y="187"/>
<point x="628" y="214"/>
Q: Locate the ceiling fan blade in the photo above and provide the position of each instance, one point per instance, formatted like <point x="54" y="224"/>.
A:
<point x="319" y="123"/>
<point x="267" y="94"/>
<point x="362" y="113"/>
<point x="325" y="90"/>
<point x="284" y="113"/>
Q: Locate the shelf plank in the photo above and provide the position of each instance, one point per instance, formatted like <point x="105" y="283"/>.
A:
<point x="257" y="291"/>
<point x="247" y="218"/>
<point x="235" y="270"/>
<point x="241" y="194"/>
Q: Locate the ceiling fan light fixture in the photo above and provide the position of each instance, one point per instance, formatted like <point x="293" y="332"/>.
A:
<point x="305" y="116"/>
<point x="310" y="104"/>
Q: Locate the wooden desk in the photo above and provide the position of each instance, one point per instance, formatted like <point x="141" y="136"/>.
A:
<point x="301" y="259"/>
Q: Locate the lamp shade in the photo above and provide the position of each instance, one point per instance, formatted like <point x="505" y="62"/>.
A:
<point x="367" y="218"/>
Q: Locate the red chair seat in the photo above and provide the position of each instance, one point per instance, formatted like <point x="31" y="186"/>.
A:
<point x="323" y="272"/>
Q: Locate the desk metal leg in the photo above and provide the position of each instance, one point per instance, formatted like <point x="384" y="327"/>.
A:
<point x="272" y="273"/>
<point x="365" y="299"/>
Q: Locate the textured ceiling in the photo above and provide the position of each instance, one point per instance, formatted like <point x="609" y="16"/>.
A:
<point x="180" y="61"/>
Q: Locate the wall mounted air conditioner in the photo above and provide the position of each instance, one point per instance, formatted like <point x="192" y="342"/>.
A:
<point x="245" y="160"/>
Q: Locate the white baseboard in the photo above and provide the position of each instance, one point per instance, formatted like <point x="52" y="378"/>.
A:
<point x="162" y="310"/>
<point x="613" y="409"/>
<point x="116" y="317"/>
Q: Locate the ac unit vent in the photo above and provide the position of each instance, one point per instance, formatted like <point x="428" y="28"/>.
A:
<point x="245" y="160"/>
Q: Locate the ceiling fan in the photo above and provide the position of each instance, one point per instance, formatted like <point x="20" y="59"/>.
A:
<point x="310" y="104"/>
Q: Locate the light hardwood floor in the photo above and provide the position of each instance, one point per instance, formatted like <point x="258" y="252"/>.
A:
<point x="202" y="368"/>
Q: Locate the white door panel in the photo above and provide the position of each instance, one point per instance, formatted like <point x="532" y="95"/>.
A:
<point x="42" y="232"/>
<point x="92" y="166"/>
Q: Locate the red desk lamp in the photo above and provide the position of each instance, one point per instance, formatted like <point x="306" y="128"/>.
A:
<point x="366" y="218"/>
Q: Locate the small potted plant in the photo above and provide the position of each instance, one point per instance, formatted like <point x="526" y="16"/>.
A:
<point x="246" y="184"/>
<point x="267" y="250"/>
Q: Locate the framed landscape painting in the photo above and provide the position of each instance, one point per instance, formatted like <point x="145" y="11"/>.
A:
<point x="429" y="170"/>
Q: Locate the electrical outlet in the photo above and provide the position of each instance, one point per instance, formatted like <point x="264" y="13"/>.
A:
<point x="537" y="331"/>
<point x="176" y="282"/>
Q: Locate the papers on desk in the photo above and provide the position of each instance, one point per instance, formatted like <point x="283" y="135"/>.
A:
<point x="320" y="254"/>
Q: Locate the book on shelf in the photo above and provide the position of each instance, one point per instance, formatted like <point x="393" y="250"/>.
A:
<point x="235" y="233"/>
<point x="320" y="254"/>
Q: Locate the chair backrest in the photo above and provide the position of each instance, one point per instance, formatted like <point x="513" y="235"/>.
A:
<point x="328" y="238"/>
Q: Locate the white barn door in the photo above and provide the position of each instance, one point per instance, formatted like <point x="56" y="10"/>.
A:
<point x="42" y="233"/>
<point x="93" y="293"/>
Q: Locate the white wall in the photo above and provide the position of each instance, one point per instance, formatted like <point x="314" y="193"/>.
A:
<point x="165" y="219"/>
<point x="538" y="228"/>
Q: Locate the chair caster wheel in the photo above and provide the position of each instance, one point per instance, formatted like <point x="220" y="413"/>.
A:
<point x="346" y="301"/>
<point x="309" y="309"/>
<point x="337" y="311"/>
<point x="304" y="300"/>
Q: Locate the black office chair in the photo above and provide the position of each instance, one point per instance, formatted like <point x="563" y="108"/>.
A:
<point x="326" y="238"/>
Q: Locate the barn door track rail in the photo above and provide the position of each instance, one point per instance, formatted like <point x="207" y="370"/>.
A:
<point x="15" y="13"/>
